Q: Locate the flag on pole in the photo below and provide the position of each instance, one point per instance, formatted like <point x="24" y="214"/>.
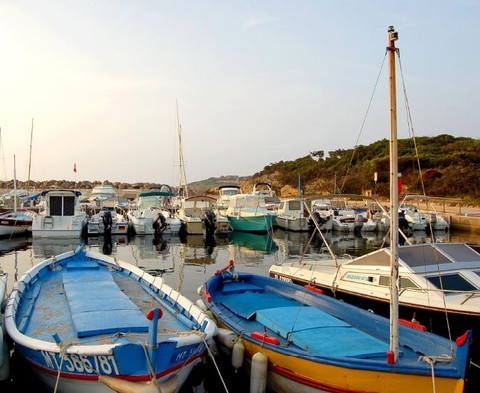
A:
<point x="75" y="167"/>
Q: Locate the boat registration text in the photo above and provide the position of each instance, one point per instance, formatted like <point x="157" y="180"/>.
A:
<point x="101" y="364"/>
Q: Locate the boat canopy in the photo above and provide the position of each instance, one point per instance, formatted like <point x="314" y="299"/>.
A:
<point x="425" y="258"/>
<point x="156" y="193"/>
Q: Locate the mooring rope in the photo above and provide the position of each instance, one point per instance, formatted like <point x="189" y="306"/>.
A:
<point x="215" y="364"/>
<point x="431" y="360"/>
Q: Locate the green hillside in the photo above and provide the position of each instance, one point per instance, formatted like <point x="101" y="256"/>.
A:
<point x="447" y="166"/>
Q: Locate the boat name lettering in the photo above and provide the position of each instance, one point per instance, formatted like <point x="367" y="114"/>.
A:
<point x="282" y="278"/>
<point x="359" y="277"/>
<point x="101" y="364"/>
<point x="188" y="353"/>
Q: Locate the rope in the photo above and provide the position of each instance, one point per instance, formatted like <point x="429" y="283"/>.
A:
<point x="150" y="369"/>
<point x="63" y="352"/>
<point x="363" y="124"/>
<point x="212" y="357"/>
<point x="431" y="360"/>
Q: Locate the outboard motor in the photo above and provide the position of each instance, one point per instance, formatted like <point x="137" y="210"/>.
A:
<point x="317" y="218"/>
<point x="209" y="220"/>
<point x="159" y="223"/>
<point x="107" y="222"/>
<point x="402" y="221"/>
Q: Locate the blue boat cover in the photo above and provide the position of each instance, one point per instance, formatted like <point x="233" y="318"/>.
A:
<point x="248" y="303"/>
<point x="97" y="304"/>
<point x="320" y="333"/>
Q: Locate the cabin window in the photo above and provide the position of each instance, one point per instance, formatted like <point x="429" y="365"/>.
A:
<point x="62" y="205"/>
<point x="68" y="206"/>
<point x="295" y="205"/>
<point x="405" y="282"/>
<point x="56" y="206"/>
<point x="452" y="282"/>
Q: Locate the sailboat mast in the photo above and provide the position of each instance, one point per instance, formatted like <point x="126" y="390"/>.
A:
<point x="394" y="276"/>
<point x="183" y="176"/>
<point x="14" y="184"/>
<point x="30" y="158"/>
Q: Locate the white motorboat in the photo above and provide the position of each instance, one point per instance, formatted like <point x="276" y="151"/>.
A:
<point x="150" y="214"/>
<point x="291" y="215"/>
<point x="61" y="215"/>
<point x="108" y="221"/>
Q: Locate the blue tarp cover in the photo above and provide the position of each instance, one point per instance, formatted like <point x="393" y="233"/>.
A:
<point x="320" y="333"/>
<point x="98" y="306"/>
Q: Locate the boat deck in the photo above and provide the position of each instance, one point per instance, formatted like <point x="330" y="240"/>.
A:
<point x="84" y="301"/>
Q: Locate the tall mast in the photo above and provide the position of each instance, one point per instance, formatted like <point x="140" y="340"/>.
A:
<point x="394" y="276"/>
<point x="14" y="185"/>
<point x="3" y="157"/>
<point x="30" y="158"/>
<point x="183" y="176"/>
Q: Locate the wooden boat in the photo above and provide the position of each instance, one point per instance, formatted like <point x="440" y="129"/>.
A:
<point x="86" y="322"/>
<point x="315" y="343"/>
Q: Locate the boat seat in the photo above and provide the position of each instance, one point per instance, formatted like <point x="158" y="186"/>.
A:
<point x="97" y="304"/>
<point x="320" y="333"/>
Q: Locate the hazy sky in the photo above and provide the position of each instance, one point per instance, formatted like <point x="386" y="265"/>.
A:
<point x="257" y="82"/>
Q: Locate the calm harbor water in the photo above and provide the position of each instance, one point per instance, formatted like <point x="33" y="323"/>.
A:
<point x="185" y="264"/>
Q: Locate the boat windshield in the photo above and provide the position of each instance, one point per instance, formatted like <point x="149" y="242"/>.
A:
<point x="452" y="282"/>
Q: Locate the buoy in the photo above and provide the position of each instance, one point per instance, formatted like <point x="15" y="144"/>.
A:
<point x="258" y="373"/>
<point x="226" y="337"/>
<point x="237" y="354"/>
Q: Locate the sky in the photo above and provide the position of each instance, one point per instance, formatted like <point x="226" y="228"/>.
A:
<point x="103" y="84"/>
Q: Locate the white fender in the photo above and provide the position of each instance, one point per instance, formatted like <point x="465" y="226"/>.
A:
<point x="258" y="373"/>
<point x="238" y="354"/>
<point x="201" y="304"/>
<point x="226" y="337"/>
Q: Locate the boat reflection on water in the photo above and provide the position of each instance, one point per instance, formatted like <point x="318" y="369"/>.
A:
<point x="44" y="247"/>
<point x="248" y="248"/>
<point x="17" y="243"/>
<point x="201" y="249"/>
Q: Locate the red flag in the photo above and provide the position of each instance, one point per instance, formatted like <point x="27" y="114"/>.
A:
<point x="75" y="167"/>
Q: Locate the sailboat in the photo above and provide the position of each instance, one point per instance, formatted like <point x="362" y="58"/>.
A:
<point x="16" y="222"/>
<point x="196" y="212"/>
<point x="299" y="340"/>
